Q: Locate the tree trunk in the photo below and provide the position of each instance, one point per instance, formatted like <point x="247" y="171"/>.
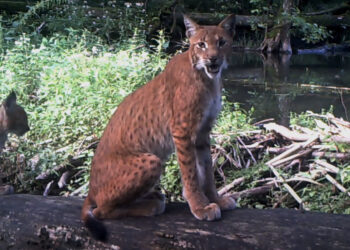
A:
<point x="278" y="38"/>
<point x="37" y="222"/>
<point x="285" y="33"/>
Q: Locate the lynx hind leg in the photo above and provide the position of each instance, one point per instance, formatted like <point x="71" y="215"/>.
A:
<point x="226" y="203"/>
<point x="128" y="191"/>
<point x="149" y="205"/>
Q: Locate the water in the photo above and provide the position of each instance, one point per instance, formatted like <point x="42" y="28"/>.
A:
<point x="279" y="84"/>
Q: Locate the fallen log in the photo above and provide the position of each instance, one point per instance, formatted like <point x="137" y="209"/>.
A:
<point x="37" y="222"/>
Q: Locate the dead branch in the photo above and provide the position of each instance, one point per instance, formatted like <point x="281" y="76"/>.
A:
<point x="48" y="188"/>
<point x="285" y="132"/>
<point x="228" y="187"/>
<point x="292" y="157"/>
<point x="252" y="191"/>
<point x="337" y="184"/>
<point x="289" y="188"/>
<point x="330" y="155"/>
<point x="327" y="166"/>
<point x="64" y="179"/>
<point x="249" y="152"/>
<point x="294" y="148"/>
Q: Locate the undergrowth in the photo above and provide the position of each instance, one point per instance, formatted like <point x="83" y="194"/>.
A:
<point x="71" y="80"/>
<point x="69" y="86"/>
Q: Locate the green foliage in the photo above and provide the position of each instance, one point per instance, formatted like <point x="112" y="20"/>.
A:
<point x="304" y="119"/>
<point x="40" y="6"/>
<point x="325" y="199"/>
<point x="171" y="180"/>
<point x="233" y="119"/>
<point x="274" y="16"/>
<point x="344" y="175"/>
<point x="70" y="86"/>
<point x="310" y="32"/>
<point x="112" y="21"/>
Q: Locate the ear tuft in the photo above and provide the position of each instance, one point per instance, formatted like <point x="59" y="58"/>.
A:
<point x="11" y="99"/>
<point x="229" y="24"/>
<point x="191" y="26"/>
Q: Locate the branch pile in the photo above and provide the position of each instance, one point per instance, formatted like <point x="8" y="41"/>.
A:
<point x="297" y="156"/>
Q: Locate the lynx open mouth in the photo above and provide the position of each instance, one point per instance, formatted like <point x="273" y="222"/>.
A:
<point x="213" y="68"/>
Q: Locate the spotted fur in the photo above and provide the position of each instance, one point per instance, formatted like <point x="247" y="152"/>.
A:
<point x="174" y="111"/>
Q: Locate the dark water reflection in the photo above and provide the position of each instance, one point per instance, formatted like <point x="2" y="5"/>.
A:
<point x="279" y="84"/>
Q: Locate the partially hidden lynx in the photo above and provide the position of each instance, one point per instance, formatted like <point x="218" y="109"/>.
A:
<point x="13" y="119"/>
<point x="174" y="111"/>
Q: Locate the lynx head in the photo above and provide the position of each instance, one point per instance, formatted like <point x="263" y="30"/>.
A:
<point x="210" y="45"/>
<point x="16" y="117"/>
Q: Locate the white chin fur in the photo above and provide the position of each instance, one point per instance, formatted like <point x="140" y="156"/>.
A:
<point x="217" y="75"/>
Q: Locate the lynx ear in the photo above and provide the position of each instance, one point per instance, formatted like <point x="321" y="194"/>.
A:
<point x="10" y="100"/>
<point x="229" y="24"/>
<point x="191" y="26"/>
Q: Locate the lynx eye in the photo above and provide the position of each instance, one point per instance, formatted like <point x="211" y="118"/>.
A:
<point x="221" y="42"/>
<point x="201" y="45"/>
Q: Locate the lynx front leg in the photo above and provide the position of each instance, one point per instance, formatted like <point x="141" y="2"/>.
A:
<point x="206" y="174"/>
<point x="193" y="193"/>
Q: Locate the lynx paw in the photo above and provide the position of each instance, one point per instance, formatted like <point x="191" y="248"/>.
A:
<point x="226" y="203"/>
<point x="210" y="212"/>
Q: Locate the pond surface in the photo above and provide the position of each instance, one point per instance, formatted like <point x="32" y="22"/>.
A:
<point x="279" y="84"/>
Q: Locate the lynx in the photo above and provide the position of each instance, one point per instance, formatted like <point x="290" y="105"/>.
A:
<point x="174" y="111"/>
<point x="13" y="119"/>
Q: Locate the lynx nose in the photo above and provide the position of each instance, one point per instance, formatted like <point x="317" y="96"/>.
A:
<point x="213" y="59"/>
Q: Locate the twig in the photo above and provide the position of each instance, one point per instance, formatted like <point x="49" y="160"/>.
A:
<point x="263" y="121"/>
<point x="340" y="122"/>
<point x="337" y="184"/>
<point x="271" y="150"/>
<point x="48" y="188"/>
<point x="249" y="152"/>
<point x="343" y="104"/>
<point x="293" y="149"/>
<point x="228" y="187"/>
<point x="327" y="166"/>
<point x="64" y="179"/>
<point x="257" y="144"/>
<point x="289" y="189"/>
<point x="340" y="139"/>
<point x="78" y="190"/>
<point x="252" y="191"/>
<point x="292" y="157"/>
<point x="339" y="156"/>
<point x="296" y="178"/>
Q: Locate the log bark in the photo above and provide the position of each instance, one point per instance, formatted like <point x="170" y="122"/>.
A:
<point x="37" y="222"/>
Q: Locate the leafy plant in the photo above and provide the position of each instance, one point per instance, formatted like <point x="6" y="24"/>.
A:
<point x="70" y="86"/>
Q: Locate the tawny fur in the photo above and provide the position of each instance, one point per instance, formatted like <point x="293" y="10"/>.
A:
<point x="174" y="111"/>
